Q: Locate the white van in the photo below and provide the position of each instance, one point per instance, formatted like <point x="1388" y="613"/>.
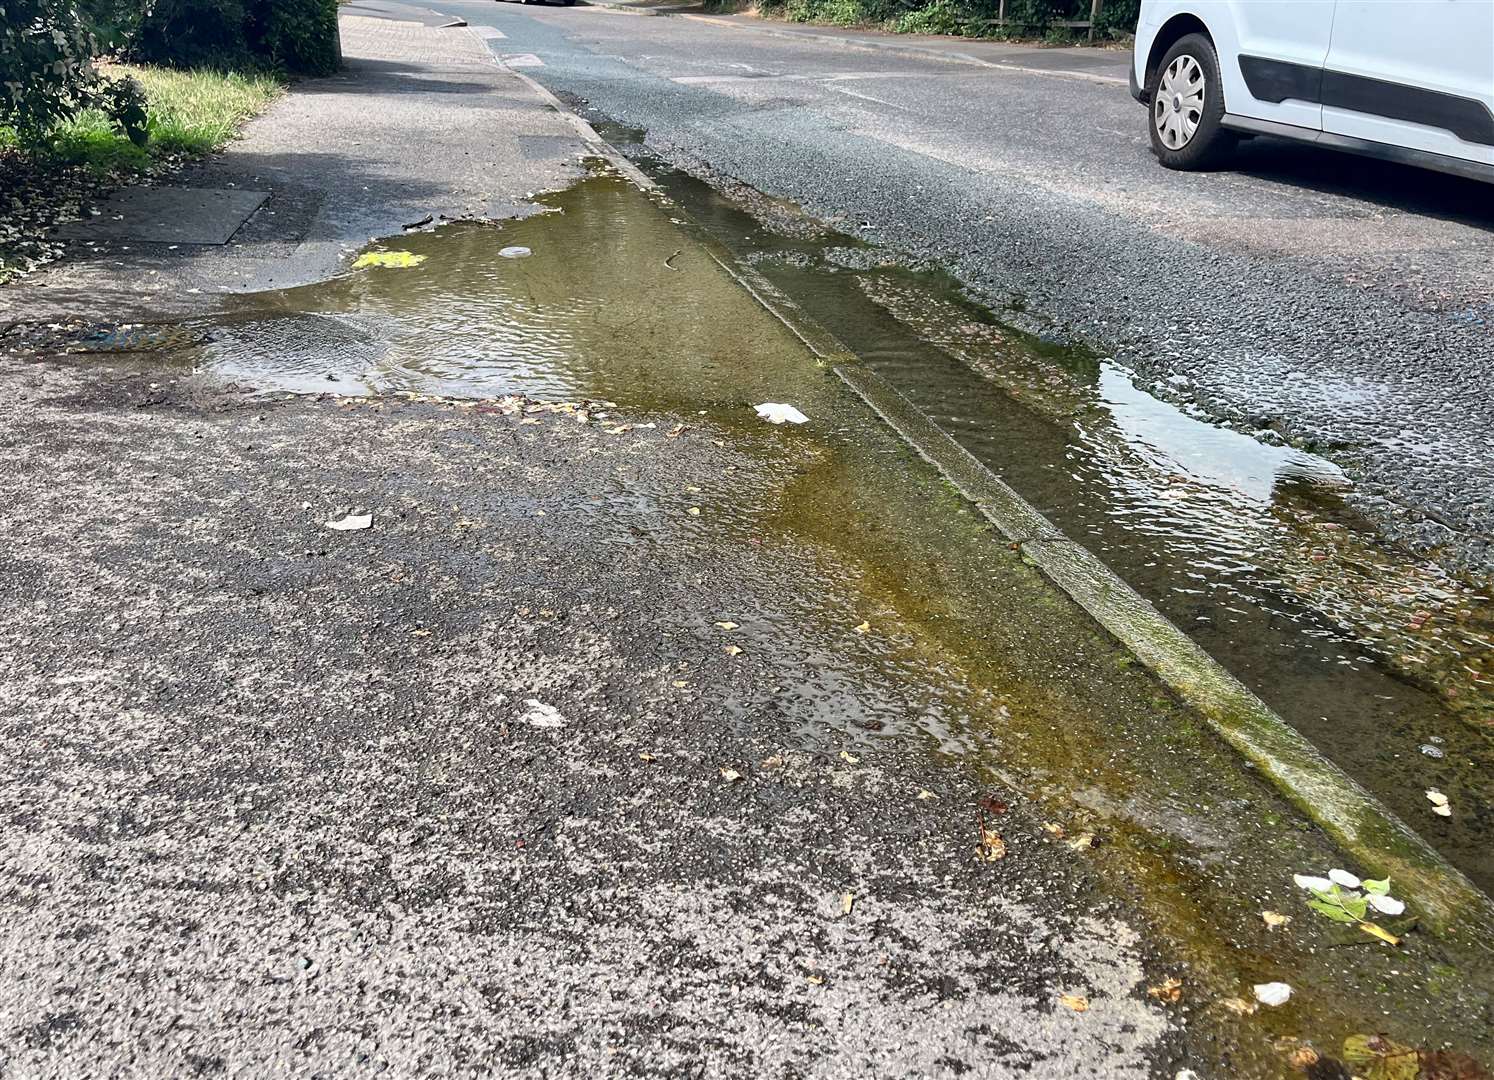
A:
<point x="1408" y="80"/>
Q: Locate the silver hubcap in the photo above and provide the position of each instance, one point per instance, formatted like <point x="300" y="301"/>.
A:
<point x="1179" y="102"/>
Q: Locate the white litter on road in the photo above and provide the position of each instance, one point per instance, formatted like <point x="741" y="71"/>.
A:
<point x="541" y="715"/>
<point x="777" y="413"/>
<point x="351" y="523"/>
<point x="1272" y="993"/>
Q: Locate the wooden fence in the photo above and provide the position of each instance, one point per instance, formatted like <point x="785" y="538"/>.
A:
<point x="1087" y="25"/>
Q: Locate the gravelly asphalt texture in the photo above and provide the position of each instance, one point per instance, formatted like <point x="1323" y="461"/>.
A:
<point x="1345" y="303"/>
<point x="284" y="801"/>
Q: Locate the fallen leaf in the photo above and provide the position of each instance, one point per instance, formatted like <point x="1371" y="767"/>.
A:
<point x="1435" y="797"/>
<point x="1377" y="888"/>
<point x="1272" y="993"/>
<point x="991" y="804"/>
<point x="1302" y="1057"/>
<point x="388" y="258"/>
<point x="1078" y="1002"/>
<point x="420" y="633"/>
<point x="732" y="650"/>
<point x="1053" y="828"/>
<point x="1344" y="878"/>
<point x="847" y="902"/>
<point x="849" y="759"/>
<point x="679" y="684"/>
<point x="1375" y="930"/>
<point x="1332" y="911"/>
<point x="1306" y="881"/>
<point x="1376" y="1057"/>
<point x="1274" y="919"/>
<point x="863" y="628"/>
<point x="694" y="511"/>
<point x="726" y="626"/>
<point x="1239" y="1006"/>
<point x="1442" y="811"/>
<point x="731" y="776"/>
<point x="992" y="846"/>
<point x="675" y="432"/>
<point x="1083" y="841"/>
<point x="815" y="980"/>
<point x="924" y="794"/>
<point x="1169" y="990"/>
<point x="646" y="756"/>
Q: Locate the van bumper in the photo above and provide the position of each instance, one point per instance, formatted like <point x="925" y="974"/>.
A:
<point x="1136" y="90"/>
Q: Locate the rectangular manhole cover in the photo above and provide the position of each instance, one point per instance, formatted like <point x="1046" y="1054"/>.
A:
<point x="168" y="215"/>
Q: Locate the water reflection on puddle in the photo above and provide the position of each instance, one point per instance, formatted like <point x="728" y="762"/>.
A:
<point x="1235" y="465"/>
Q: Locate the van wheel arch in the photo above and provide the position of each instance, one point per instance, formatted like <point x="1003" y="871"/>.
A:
<point x="1172" y="31"/>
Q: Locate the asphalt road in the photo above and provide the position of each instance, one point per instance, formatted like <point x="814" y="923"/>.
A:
<point x="1343" y="302"/>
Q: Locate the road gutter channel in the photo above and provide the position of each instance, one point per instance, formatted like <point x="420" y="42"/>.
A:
<point x="1359" y="823"/>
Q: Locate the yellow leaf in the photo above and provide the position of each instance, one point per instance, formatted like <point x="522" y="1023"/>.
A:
<point x="924" y="794"/>
<point x="847" y="902"/>
<point x="731" y="776"/>
<point x="1170" y="990"/>
<point x="646" y="756"/>
<point x="694" y="511"/>
<point x="726" y="626"/>
<point x="992" y="846"/>
<point x="1374" y="930"/>
<point x="388" y="258"/>
<point x="1273" y="919"/>
<point x="732" y="650"/>
<point x="1053" y="828"/>
<point x="1078" y="1002"/>
<point x="863" y="628"/>
<point x="679" y="684"/>
<point x="849" y="759"/>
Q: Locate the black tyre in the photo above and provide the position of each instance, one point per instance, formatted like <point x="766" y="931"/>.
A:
<point x="1187" y="103"/>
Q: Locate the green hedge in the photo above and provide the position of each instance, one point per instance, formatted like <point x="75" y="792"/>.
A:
<point x="296" y="36"/>
<point x="47" y="70"/>
<point x="964" y="17"/>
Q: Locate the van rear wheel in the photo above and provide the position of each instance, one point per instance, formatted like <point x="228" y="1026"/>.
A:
<point x="1187" y="105"/>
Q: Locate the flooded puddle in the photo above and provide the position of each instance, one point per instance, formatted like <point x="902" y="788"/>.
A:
<point x="615" y="302"/>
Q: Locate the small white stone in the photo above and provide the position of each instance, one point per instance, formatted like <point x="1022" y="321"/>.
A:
<point x="1272" y="993"/>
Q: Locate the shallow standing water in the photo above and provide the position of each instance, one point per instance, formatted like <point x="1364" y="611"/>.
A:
<point x="616" y="302"/>
<point x="1245" y="545"/>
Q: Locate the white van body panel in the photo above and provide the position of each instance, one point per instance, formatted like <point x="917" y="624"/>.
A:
<point x="1441" y="45"/>
<point x="1369" y="65"/>
<point x="1298" y="32"/>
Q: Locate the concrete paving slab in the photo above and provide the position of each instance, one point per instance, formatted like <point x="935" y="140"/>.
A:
<point x="169" y="215"/>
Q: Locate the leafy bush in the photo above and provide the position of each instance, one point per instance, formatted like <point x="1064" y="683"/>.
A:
<point x="969" y="17"/>
<point x="298" y="36"/>
<point x="47" y="69"/>
<point x="938" y="17"/>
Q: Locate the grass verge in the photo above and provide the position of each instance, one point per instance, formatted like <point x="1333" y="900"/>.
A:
<point x="191" y="112"/>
